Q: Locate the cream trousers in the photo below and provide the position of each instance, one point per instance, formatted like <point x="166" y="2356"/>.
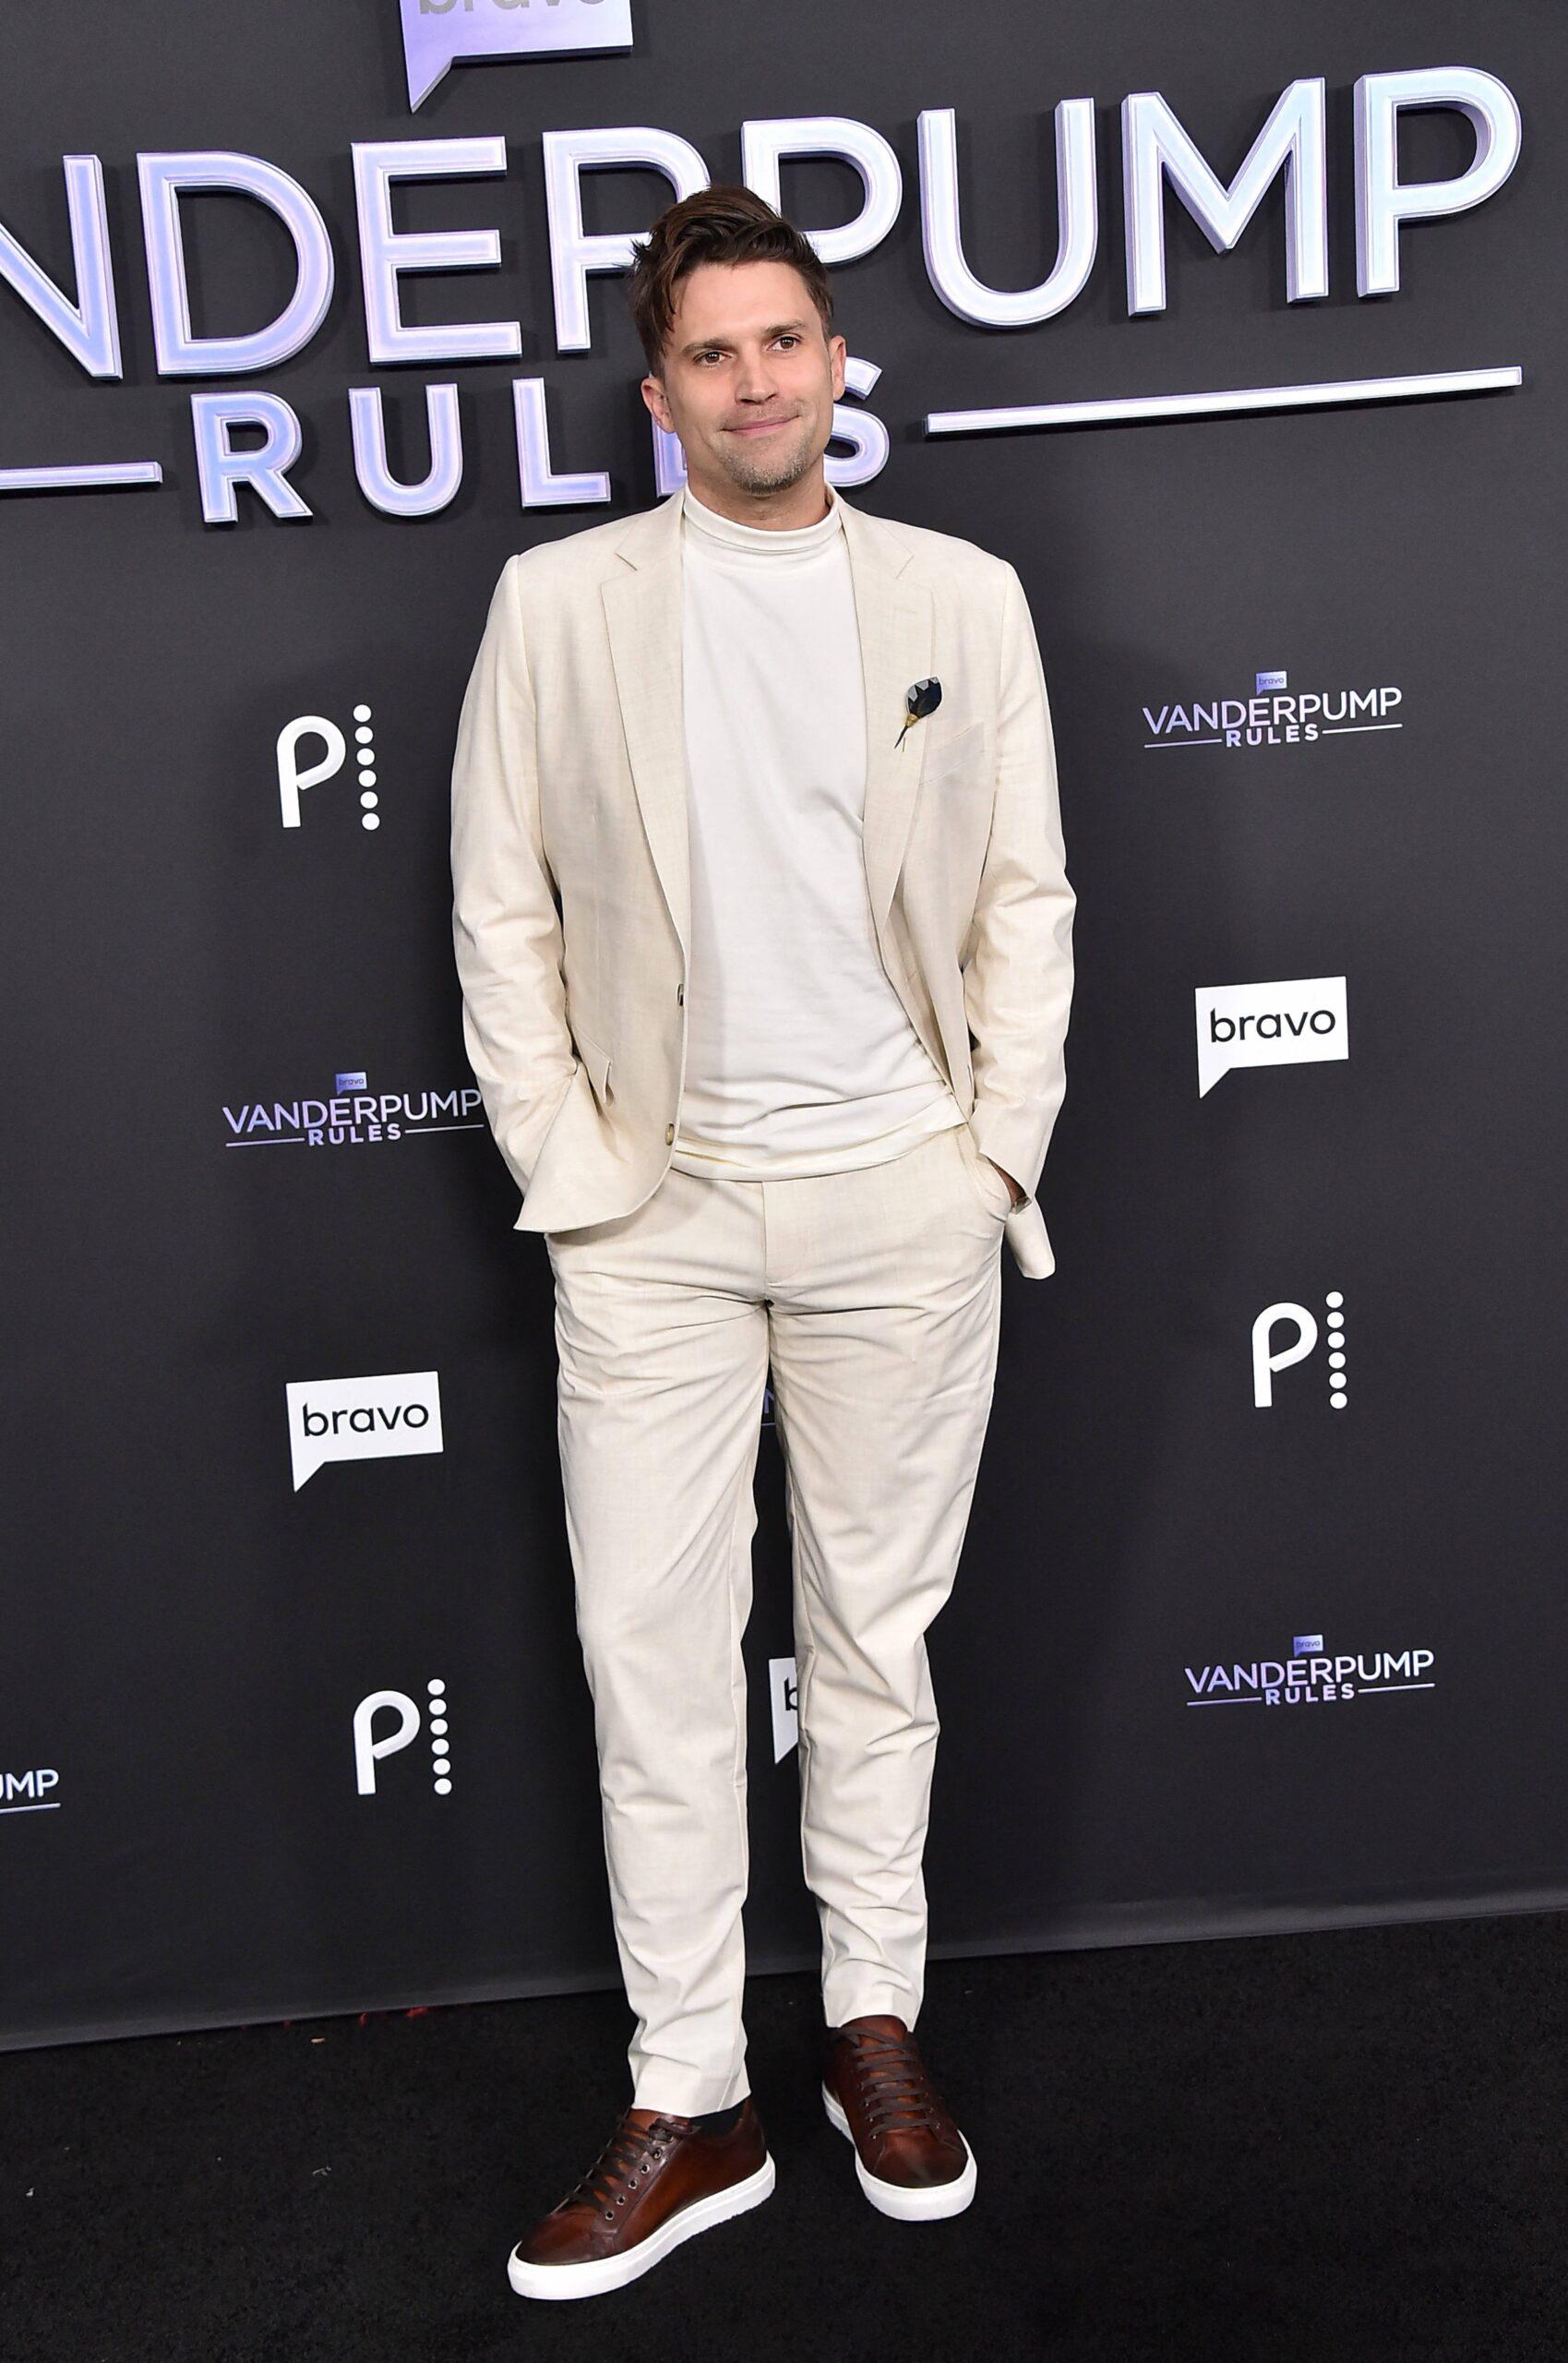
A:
<point x="875" y="1296"/>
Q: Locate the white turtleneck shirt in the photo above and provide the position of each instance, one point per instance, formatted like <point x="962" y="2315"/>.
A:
<point x="800" y="1057"/>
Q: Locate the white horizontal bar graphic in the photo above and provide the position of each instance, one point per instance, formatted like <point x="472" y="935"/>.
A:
<point x="90" y="476"/>
<point x="1247" y="398"/>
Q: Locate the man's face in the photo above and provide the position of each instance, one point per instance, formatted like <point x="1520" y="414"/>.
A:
<point x="749" y="381"/>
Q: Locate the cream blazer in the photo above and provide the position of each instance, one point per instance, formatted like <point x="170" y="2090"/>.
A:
<point x="572" y="914"/>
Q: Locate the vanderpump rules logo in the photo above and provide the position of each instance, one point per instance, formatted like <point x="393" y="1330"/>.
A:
<point x="244" y="442"/>
<point x="352" y="1116"/>
<point x="1311" y="1676"/>
<point x="30" y="1789"/>
<point x="1274" y="716"/>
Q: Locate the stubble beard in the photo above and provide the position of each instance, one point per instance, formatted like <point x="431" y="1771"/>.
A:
<point x="767" y="471"/>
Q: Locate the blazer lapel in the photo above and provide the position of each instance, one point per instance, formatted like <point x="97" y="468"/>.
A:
<point x="643" y="612"/>
<point x="895" y="619"/>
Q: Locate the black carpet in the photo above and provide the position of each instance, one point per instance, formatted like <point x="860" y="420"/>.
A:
<point x="1280" y="2150"/>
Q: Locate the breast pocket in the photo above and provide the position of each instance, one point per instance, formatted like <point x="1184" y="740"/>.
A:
<point x="959" y="760"/>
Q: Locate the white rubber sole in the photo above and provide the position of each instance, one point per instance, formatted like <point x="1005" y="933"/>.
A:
<point x="896" y="2199"/>
<point x="598" y="2273"/>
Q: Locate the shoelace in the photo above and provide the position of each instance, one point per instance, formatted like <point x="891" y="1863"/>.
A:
<point x="622" y="2162"/>
<point x="892" y="2079"/>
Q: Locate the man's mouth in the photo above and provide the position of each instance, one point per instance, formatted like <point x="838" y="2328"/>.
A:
<point x="761" y="427"/>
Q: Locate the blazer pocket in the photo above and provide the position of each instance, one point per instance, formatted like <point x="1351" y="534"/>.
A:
<point x="597" y="1062"/>
<point x="958" y="758"/>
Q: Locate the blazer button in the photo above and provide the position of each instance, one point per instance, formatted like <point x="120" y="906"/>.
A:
<point x="669" y="1133"/>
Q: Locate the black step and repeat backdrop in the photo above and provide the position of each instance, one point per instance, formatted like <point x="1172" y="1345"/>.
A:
<point x="1240" y="333"/>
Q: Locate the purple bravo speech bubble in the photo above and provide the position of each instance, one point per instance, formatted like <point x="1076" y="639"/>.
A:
<point x="438" y="32"/>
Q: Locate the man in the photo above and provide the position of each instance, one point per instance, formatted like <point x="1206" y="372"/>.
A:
<point x="763" y="932"/>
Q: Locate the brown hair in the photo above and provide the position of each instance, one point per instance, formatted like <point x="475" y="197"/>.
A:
<point x="730" y="224"/>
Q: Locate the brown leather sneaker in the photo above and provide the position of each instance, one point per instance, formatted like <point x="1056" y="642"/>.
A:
<point x="911" y="2159"/>
<point x="657" y="2181"/>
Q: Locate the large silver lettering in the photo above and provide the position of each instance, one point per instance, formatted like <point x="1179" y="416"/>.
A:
<point x="1382" y="203"/>
<point x="1156" y="147"/>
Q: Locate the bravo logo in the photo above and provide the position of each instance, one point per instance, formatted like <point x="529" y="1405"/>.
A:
<point x="438" y="32"/>
<point x="1283" y="1025"/>
<point x="362" y="1419"/>
<point x="784" y="1690"/>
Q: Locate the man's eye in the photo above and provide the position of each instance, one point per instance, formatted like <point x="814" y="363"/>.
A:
<point x="789" y="338"/>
